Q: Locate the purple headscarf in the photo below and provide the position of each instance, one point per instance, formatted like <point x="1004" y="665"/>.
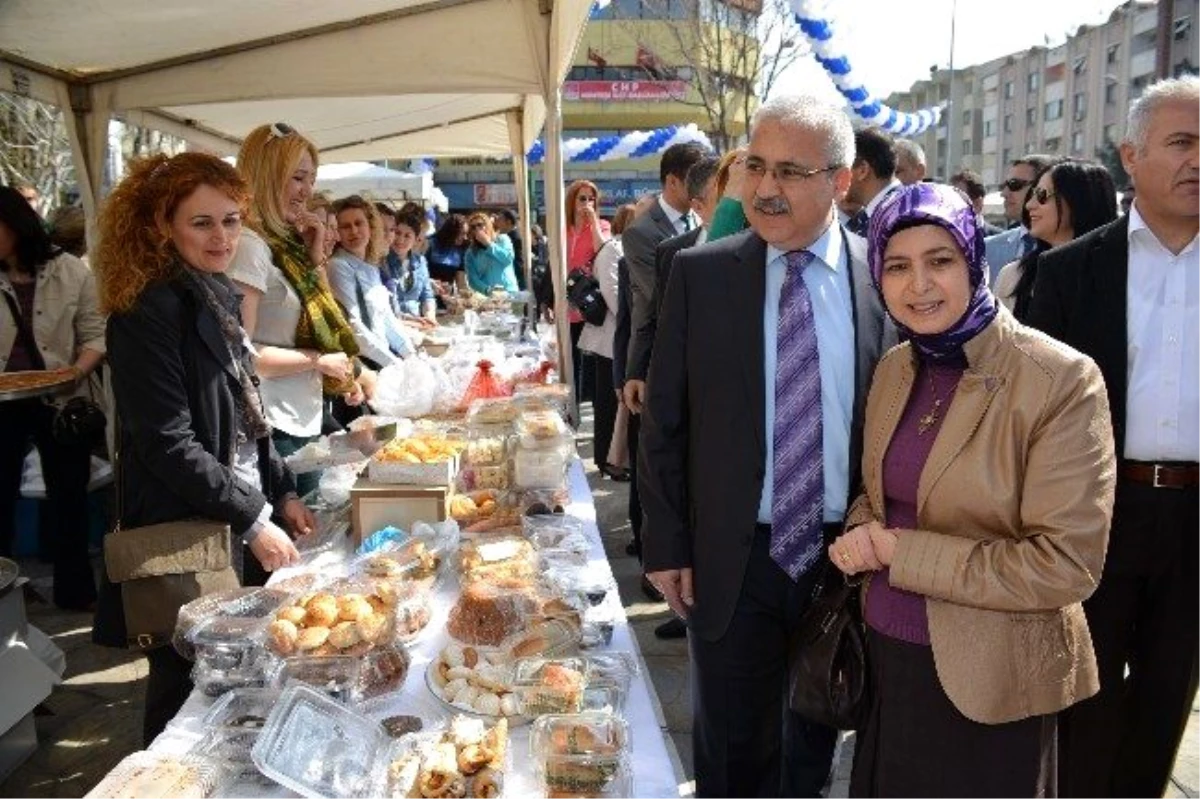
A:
<point x="945" y="206"/>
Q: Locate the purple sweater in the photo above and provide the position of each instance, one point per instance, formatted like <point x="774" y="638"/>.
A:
<point x="891" y="611"/>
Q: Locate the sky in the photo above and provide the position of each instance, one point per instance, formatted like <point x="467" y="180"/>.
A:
<point x="893" y="43"/>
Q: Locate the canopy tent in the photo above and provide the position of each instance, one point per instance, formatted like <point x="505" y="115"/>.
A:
<point x="368" y="80"/>
<point x="381" y="183"/>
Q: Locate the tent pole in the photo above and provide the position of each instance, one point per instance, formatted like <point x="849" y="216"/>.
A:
<point x="86" y="114"/>
<point x="556" y="231"/>
<point x="516" y="135"/>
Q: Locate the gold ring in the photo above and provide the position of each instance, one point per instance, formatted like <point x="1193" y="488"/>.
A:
<point x="845" y="559"/>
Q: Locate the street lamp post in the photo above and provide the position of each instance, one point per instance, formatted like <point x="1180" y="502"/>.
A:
<point x="950" y="120"/>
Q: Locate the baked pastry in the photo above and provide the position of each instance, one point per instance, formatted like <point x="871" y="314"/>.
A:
<point x="354" y="607"/>
<point x="292" y="614"/>
<point x="321" y="611"/>
<point x="282" y="636"/>
<point x="311" y="637"/>
<point x="488" y="783"/>
<point x="486" y="616"/>
<point x="344" y="635"/>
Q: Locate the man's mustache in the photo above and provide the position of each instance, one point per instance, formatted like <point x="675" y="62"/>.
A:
<point x="771" y="205"/>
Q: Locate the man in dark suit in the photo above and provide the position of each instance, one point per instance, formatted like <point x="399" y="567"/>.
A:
<point x="669" y="217"/>
<point x="1126" y="294"/>
<point x="766" y="343"/>
<point x="872" y="176"/>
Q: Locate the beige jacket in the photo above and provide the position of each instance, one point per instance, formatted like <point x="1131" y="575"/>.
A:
<point x="66" y="315"/>
<point x="1014" y="506"/>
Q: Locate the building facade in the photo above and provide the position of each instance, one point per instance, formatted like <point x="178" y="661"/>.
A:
<point x="638" y="67"/>
<point x="1068" y="100"/>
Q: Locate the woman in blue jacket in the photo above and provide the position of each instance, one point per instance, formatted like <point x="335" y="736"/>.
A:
<point x="489" y="258"/>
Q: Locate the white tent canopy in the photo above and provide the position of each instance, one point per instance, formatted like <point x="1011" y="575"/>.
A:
<point x="359" y="177"/>
<point x="365" y="80"/>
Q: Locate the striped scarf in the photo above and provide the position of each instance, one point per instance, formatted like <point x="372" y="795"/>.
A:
<point x="323" y="326"/>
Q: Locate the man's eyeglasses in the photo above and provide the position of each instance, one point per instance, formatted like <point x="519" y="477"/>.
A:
<point x="1015" y="184"/>
<point x="783" y="173"/>
<point x="281" y="130"/>
<point x="1042" y="195"/>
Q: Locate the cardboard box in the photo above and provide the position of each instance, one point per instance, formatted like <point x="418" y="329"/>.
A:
<point x="376" y="505"/>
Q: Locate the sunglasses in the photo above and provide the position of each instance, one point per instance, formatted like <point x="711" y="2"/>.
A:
<point x="281" y="130"/>
<point x="1015" y="184"/>
<point x="1042" y="195"/>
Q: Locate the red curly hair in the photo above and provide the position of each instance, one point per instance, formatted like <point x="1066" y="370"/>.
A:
<point x="135" y="223"/>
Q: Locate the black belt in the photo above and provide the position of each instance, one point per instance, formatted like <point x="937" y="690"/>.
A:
<point x="1160" y="475"/>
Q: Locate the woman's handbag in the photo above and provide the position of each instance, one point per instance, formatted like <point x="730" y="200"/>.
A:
<point x="828" y="661"/>
<point x="162" y="567"/>
<point x="583" y="292"/>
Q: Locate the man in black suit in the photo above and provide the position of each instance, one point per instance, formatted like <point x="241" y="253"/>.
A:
<point x="1126" y="294"/>
<point x="709" y="433"/>
<point x="872" y="176"/>
<point x="669" y="217"/>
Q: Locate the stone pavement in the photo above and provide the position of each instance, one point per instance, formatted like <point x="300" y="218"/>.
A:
<point x="94" y="718"/>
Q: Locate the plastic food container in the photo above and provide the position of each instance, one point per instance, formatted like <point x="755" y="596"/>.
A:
<point x="488" y="411"/>
<point x="237" y="602"/>
<point x="582" y="754"/>
<point x="547" y="686"/>
<point x="337" y="676"/>
<point x="488" y="446"/>
<point x="318" y="747"/>
<point x="382" y="671"/>
<point x="347" y="617"/>
<point x="542" y="430"/>
<point x="497" y="557"/>
<point x="231" y="746"/>
<point x="242" y="708"/>
<point x="540" y="467"/>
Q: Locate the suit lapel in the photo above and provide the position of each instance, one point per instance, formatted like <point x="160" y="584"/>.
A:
<point x="210" y="334"/>
<point x="746" y="287"/>
<point x="972" y="398"/>
<point x="1110" y="320"/>
<point x="664" y="225"/>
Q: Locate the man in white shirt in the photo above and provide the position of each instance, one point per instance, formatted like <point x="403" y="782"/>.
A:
<point x="1128" y="295"/>
<point x="872" y="177"/>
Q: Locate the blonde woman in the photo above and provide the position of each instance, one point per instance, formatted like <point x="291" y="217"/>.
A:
<point x="303" y="344"/>
<point x="358" y="283"/>
<point x="489" y="258"/>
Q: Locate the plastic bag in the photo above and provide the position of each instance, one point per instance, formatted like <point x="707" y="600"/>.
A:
<point x="538" y="376"/>
<point x="485" y="383"/>
<point x="336" y="483"/>
<point x="407" y="388"/>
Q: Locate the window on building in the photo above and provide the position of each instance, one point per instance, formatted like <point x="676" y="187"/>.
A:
<point x="966" y="117"/>
<point x="1052" y="145"/>
<point x="1054" y="110"/>
<point x="989" y="128"/>
<point x="1030" y="116"/>
<point x="1006" y="156"/>
<point x="1008" y="90"/>
<point x="1032" y="82"/>
<point x="1030" y="147"/>
<point x="967" y="147"/>
<point x="1110" y="94"/>
<point x="1110" y="133"/>
<point x="1077" y="142"/>
<point x="1079" y="105"/>
<point x="1182" y="27"/>
<point x="1008" y="123"/>
<point x="1114" y="51"/>
<point x="1186" y="67"/>
<point x="1080" y="64"/>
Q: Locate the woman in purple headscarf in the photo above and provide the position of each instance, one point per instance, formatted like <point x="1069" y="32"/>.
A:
<point x="988" y="478"/>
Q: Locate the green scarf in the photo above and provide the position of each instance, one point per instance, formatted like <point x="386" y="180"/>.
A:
<point x="322" y="325"/>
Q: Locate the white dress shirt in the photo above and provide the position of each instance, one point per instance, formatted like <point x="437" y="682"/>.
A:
<point x="880" y="197"/>
<point x="676" y="218"/>
<point x="828" y="281"/>
<point x="1163" y="306"/>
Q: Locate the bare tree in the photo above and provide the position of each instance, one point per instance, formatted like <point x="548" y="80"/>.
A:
<point x="731" y="51"/>
<point x="34" y="149"/>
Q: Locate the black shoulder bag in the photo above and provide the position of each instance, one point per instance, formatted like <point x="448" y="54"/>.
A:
<point x="583" y="291"/>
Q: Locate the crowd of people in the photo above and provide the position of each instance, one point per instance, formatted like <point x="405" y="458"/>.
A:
<point x="812" y="362"/>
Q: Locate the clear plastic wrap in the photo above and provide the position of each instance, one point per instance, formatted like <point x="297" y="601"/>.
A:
<point x="493" y="414"/>
<point x="591" y="582"/>
<point x="476" y="680"/>
<point x="153" y="774"/>
<point x="542" y="430"/>
<point x="231" y="746"/>
<point x="317" y="747"/>
<point x="346" y="617"/>
<point x="336" y="482"/>
<point x="582" y="754"/>
<point x="546" y="529"/>
<point x="487" y="615"/>
<point x="504" y="557"/>
<point x="470" y="758"/>
<point x="485" y="476"/>
<point x="488" y="445"/>
<point x="418" y="460"/>
<point x="544" y="397"/>
<point x="545" y="686"/>
<point x="383" y="671"/>
<point x="248" y="603"/>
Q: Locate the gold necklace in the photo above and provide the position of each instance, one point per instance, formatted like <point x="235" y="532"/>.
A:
<point x="930" y="419"/>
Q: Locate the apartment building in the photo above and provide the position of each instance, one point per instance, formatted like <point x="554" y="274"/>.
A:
<point x="1068" y="100"/>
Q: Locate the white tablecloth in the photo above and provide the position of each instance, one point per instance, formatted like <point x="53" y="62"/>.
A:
<point x="653" y="771"/>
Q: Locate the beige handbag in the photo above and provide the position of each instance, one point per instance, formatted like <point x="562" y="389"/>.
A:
<point x="162" y="567"/>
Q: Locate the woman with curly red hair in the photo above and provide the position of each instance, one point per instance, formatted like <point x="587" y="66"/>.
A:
<point x="193" y="440"/>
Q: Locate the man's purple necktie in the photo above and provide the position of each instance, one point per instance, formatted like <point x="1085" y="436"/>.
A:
<point x="797" y="505"/>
